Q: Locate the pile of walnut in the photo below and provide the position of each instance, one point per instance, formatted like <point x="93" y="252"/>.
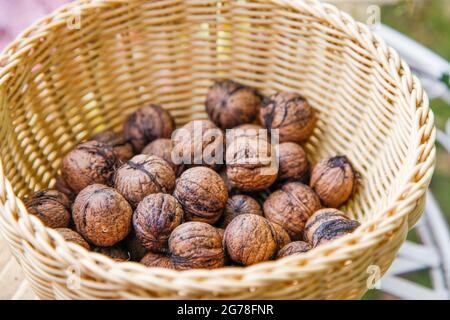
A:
<point x="123" y="195"/>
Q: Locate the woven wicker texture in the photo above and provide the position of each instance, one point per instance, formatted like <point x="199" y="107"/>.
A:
<point x="60" y="85"/>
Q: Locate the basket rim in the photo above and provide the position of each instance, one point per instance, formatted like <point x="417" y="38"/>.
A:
<point x="412" y="190"/>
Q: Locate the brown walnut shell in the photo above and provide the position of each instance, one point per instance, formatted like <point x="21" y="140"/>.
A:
<point x="251" y="164"/>
<point x="62" y="186"/>
<point x="202" y="194"/>
<point x="293" y="163"/>
<point x="281" y="235"/>
<point x="250" y="130"/>
<point x="291" y="114"/>
<point x="333" y="179"/>
<point x="239" y="204"/>
<point x="72" y="236"/>
<point x="101" y="215"/>
<point x="122" y="148"/>
<point x="90" y="162"/>
<point x="51" y="207"/>
<point x="157" y="260"/>
<point x="230" y="104"/>
<point x="250" y="239"/>
<point x="144" y="175"/>
<point x="154" y="219"/>
<point x="135" y="248"/>
<point x="117" y="252"/>
<point x="163" y="148"/>
<point x="196" y="245"/>
<point x="147" y="124"/>
<point x="328" y="224"/>
<point x="291" y="206"/>
<point x="293" y="248"/>
<point x="199" y="142"/>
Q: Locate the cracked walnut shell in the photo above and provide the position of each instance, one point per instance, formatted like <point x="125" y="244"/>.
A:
<point x="154" y="219"/>
<point x="144" y="175"/>
<point x="291" y="114"/>
<point x="101" y="215"/>
<point x="291" y="206"/>
<point x="250" y="239"/>
<point x="202" y="194"/>
<point x="51" y="207"/>
<point x="196" y="245"/>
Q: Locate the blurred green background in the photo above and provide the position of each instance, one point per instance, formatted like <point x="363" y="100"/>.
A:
<point x="428" y="22"/>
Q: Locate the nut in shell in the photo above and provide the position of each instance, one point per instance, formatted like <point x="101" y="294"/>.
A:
<point x="196" y="245"/>
<point x="333" y="179"/>
<point x="154" y="219"/>
<point x="202" y="194"/>
<point x="89" y="163"/>
<point x="101" y="215"/>
<point x="237" y="205"/>
<point x="291" y="206"/>
<point x="116" y="252"/>
<point x="293" y="248"/>
<point x="72" y="236"/>
<point x="122" y="148"/>
<point x="293" y="163"/>
<point x="157" y="260"/>
<point x="144" y="175"/>
<point x="250" y="239"/>
<point x="163" y="148"/>
<point x="51" y="207"/>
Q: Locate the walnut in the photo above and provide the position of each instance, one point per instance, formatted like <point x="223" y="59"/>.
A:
<point x="291" y="114"/>
<point x="250" y="239"/>
<point x="51" y="207"/>
<point x="72" y="236"/>
<point x="293" y="248"/>
<point x="251" y="130"/>
<point x="328" y="224"/>
<point x="281" y="235"/>
<point x="199" y="142"/>
<point x="163" y="148"/>
<point x="291" y="206"/>
<point x="230" y="104"/>
<point x="62" y="186"/>
<point x="147" y="124"/>
<point x="157" y="260"/>
<point x="154" y="219"/>
<point x="116" y="252"/>
<point x="88" y="163"/>
<point x="293" y="163"/>
<point x="239" y="204"/>
<point x="144" y="175"/>
<point x="122" y="148"/>
<point x="135" y="248"/>
<point x="101" y="215"/>
<point x="196" y="245"/>
<point x="333" y="179"/>
<point x="202" y="194"/>
<point x="251" y="164"/>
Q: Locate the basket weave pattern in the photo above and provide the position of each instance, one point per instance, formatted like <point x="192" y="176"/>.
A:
<point x="60" y="85"/>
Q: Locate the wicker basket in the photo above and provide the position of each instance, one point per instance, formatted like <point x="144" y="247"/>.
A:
<point x="59" y="85"/>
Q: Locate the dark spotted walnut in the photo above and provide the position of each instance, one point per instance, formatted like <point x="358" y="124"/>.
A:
<point x="281" y="235"/>
<point x="72" y="236"/>
<point x="196" y="245"/>
<point x="334" y="180"/>
<point x="62" y="186"/>
<point x="117" y="252"/>
<point x="122" y="148"/>
<point x="202" y="194"/>
<point x="230" y="104"/>
<point x="101" y="215"/>
<point x="147" y="124"/>
<point x="157" y="260"/>
<point x="293" y="163"/>
<point x="328" y="224"/>
<point x="251" y="163"/>
<point x="250" y="239"/>
<point x="163" y="148"/>
<point x="239" y="204"/>
<point x="291" y="206"/>
<point x="291" y="114"/>
<point x="88" y="163"/>
<point x="199" y="142"/>
<point x="154" y="219"/>
<point x="135" y="248"/>
<point x="50" y="206"/>
<point x="144" y="175"/>
<point x="293" y="248"/>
